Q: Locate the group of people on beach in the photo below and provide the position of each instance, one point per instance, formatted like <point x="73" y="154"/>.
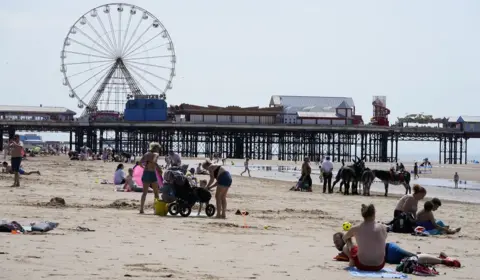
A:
<point x="370" y="251"/>
<point x="220" y="178"/>
<point x="365" y="246"/>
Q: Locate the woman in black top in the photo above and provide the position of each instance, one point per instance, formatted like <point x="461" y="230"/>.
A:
<point x="223" y="182"/>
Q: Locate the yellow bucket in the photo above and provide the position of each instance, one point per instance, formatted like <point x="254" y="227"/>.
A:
<point x="161" y="208"/>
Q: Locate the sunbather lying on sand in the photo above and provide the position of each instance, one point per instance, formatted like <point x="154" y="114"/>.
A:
<point x="394" y="254"/>
<point x="8" y="169"/>
<point x="426" y="219"/>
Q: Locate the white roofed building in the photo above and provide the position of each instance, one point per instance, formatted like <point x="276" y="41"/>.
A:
<point x="319" y="110"/>
<point x="11" y="112"/>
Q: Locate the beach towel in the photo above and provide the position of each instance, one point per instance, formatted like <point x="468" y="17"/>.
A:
<point x="428" y="228"/>
<point x="137" y="176"/>
<point x="384" y="273"/>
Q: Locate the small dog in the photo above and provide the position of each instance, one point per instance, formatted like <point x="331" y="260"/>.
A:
<point x="203" y="185"/>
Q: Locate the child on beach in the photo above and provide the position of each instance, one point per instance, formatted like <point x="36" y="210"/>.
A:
<point x="426" y="219"/>
<point x="130" y="185"/>
<point x="21" y="171"/>
<point x="246" y="168"/>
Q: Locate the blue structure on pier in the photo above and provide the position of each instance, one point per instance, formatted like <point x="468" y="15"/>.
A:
<point x="146" y="109"/>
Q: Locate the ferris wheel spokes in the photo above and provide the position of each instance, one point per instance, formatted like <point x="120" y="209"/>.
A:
<point x="88" y="47"/>
<point x="151" y="65"/>
<point x="133" y="34"/>
<point x="109" y="51"/>
<point x="94" y="75"/>
<point x="87" y="54"/>
<point x="147" y="81"/>
<point x="148" y="72"/>
<point x="148" y="41"/>
<point x="148" y="57"/>
<point x="147" y="50"/>
<point x="84" y="71"/>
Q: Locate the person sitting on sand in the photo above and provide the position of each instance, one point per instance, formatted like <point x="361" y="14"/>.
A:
<point x="119" y="176"/>
<point x="394" y="254"/>
<point x="200" y="170"/>
<point x="8" y="169"/>
<point x="409" y="203"/>
<point x="369" y="253"/>
<point x="426" y="219"/>
<point x="223" y="183"/>
<point x="130" y="184"/>
<point x="149" y="177"/>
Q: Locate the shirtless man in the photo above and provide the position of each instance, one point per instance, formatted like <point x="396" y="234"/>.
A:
<point x="16" y="150"/>
<point x="369" y="253"/>
<point x="149" y="177"/>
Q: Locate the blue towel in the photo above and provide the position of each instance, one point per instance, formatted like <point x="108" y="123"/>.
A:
<point x="384" y="273"/>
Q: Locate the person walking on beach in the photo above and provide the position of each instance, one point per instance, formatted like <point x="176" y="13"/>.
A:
<point x="16" y="150"/>
<point x="246" y="168"/>
<point x="415" y="171"/>
<point x="326" y="169"/>
<point x="455" y="179"/>
<point x="149" y="177"/>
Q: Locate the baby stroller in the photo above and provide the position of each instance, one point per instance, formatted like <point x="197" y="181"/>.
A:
<point x="185" y="195"/>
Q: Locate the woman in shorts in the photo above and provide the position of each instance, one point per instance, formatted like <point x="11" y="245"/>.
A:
<point x="223" y="182"/>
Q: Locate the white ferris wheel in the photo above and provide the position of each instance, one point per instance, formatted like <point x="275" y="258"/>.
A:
<point x="115" y="52"/>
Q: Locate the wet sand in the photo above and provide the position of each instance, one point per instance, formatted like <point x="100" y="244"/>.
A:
<point x="297" y="243"/>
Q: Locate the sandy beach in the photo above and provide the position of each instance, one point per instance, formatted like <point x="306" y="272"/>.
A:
<point x="296" y="244"/>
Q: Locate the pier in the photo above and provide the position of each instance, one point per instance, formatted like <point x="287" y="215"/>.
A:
<point x="255" y="141"/>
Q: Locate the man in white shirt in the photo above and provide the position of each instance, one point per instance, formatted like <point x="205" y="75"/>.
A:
<point x="326" y="170"/>
<point x="175" y="159"/>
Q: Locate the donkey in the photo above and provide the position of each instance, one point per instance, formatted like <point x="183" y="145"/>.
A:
<point x="390" y="177"/>
<point x="350" y="174"/>
<point x="367" y="179"/>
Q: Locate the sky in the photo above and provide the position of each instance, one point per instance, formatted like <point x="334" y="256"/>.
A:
<point x="422" y="55"/>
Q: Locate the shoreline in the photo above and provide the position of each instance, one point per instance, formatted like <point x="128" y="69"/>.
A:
<point x="394" y="196"/>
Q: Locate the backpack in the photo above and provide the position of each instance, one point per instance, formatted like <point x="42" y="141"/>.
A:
<point x="404" y="223"/>
<point x="410" y="265"/>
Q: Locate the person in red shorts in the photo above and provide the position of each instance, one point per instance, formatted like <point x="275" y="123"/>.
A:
<point x="371" y="237"/>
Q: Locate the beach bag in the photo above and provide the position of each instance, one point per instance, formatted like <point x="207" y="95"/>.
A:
<point x="8" y="227"/>
<point x="410" y="265"/>
<point x="404" y="223"/>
